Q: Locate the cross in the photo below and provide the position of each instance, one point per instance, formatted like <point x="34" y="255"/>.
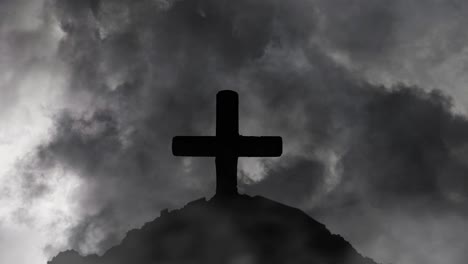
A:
<point x="227" y="145"/>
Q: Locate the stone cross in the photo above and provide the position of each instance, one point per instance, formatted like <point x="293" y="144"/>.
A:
<point x="227" y="145"/>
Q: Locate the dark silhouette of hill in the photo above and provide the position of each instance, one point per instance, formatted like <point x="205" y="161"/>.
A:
<point x="235" y="230"/>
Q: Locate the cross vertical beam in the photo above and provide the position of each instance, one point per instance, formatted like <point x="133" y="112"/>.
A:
<point x="227" y="131"/>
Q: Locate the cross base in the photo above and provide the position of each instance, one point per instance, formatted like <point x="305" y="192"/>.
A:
<point x="226" y="176"/>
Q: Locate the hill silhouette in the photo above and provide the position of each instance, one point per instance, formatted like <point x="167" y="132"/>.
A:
<point x="235" y="230"/>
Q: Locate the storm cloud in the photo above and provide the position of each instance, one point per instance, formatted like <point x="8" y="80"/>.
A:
<point x="373" y="147"/>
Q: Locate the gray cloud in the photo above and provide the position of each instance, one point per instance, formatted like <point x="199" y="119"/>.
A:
<point x="140" y="73"/>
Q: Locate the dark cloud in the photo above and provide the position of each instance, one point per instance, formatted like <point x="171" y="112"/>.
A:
<point x="404" y="161"/>
<point x="144" y="72"/>
<point x="362" y="28"/>
<point x="410" y="137"/>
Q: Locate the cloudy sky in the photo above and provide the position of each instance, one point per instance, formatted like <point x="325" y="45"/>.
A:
<point x="370" y="97"/>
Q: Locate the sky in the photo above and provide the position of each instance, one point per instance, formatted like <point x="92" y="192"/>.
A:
<point x="370" y="98"/>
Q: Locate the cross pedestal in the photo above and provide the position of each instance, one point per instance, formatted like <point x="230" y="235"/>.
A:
<point x="227" y="146"/>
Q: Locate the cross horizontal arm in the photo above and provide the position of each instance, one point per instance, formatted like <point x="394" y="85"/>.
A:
<point x="240" y="146"/>
<point x="259" y="146"/>
<point x="204" y="146"/>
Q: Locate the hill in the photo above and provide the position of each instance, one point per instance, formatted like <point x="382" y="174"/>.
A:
<point x="237" y="230"/>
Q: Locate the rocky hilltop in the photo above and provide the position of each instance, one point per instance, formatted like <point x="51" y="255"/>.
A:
<point x="236" y="230"/>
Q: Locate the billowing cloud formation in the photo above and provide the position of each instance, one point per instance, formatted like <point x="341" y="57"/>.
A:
<point x="388" y="160"/>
